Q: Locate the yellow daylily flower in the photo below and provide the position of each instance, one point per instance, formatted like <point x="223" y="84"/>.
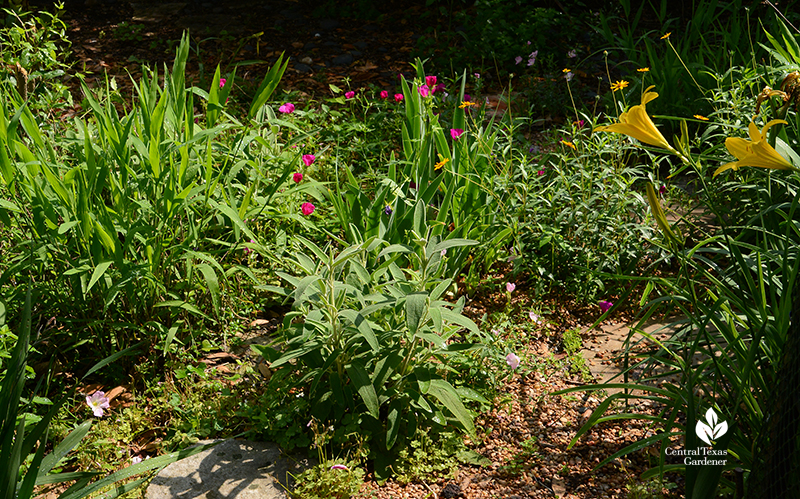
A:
<point x="755" y="152"/>
<point x="636" y="123"/>
<point x="440" y="164"/>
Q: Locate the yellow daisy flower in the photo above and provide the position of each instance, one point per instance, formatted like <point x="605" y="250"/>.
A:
<point x="619" y="85"/>
<point x="568" y="143"/>
<point x="666" y="36"/>
<point x="643" y="70"/>
<point x="700" y="117"/>
<point x="440" y="164"/>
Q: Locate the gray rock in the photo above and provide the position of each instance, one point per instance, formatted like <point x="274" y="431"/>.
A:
<point x="361" y="45"/>
<point x="343" y="60"/>
<point x="234" y="469"/>
<point x="356" y="53"/>
<point x="302" y="68"/>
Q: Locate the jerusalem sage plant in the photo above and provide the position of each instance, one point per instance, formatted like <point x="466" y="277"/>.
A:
<point x="372" y="343"/>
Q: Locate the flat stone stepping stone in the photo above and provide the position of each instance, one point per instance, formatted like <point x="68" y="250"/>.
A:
<point x="233" y="469"/>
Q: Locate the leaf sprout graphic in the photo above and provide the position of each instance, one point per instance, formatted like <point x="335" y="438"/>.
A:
<point x="711" y="431"/>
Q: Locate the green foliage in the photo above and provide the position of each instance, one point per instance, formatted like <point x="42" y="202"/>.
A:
<point x="322" y="481"/>
<point x="33" y="48"/>
<point x="648" y="489"/>
<point x="716" y="37"/>
<point x="584" y="217"/>
<point x="428" y="458"/>
<point x="373" y="343"/>
<point x="134" y="214"/>
<point x="21" y="432"/>
<point x="523" y="459"/>
<point x="735" y="288"/>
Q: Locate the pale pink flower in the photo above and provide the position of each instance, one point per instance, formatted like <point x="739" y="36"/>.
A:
<point x="339" y="467"/>
<point x="512" y="360"/>
<point x="97" y="402"/>
<point x="535" y="317"/>
<point x="136" y="459"/>
<point x="518" y="59"/>
<point x="510" y="287"/>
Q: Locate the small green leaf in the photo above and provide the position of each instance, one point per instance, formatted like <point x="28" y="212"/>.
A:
<point x="394" y="423"/>
<point x="98" y="273"/>
<point x="448" y="396"/>
<point x="416" y="304"/>
<point x="360" y="380"/>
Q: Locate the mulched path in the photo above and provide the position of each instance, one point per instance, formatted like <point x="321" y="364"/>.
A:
<point x="547" y="468"/>
<point x="324" y="48"/>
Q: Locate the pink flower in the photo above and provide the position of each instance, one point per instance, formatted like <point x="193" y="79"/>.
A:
<point x="308" y="159"/>
<point x="540" y="173"/>
<point x="430" y="81"/>
<point x="307" y="208"/>
<point x="222" y="82"/>
<point x="438" y="87"/>
<point x="424" y="91"/>
<point x="532" y="58"/>
<point x="287" y="108"/>
<point x="248" y="250"/>
<point x="349" y="95"/>
<point x="534" y="317"/>
<point x="97" y="402"/>
<point x="605" y="306"/>
<point x="512" y="360"/>
<point x="384" y="94"/>
<point x="455" y="133"/>
<point x="398" y="97"/>
<point x="297" y="177"/>
<point x="136" y="459"/>
<point x="510" y="287"/>
<point x="467" y="97"/>
<point x="518" y="59"/>
<point x="662" y="190"/>
<point x="339" y="467"/>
